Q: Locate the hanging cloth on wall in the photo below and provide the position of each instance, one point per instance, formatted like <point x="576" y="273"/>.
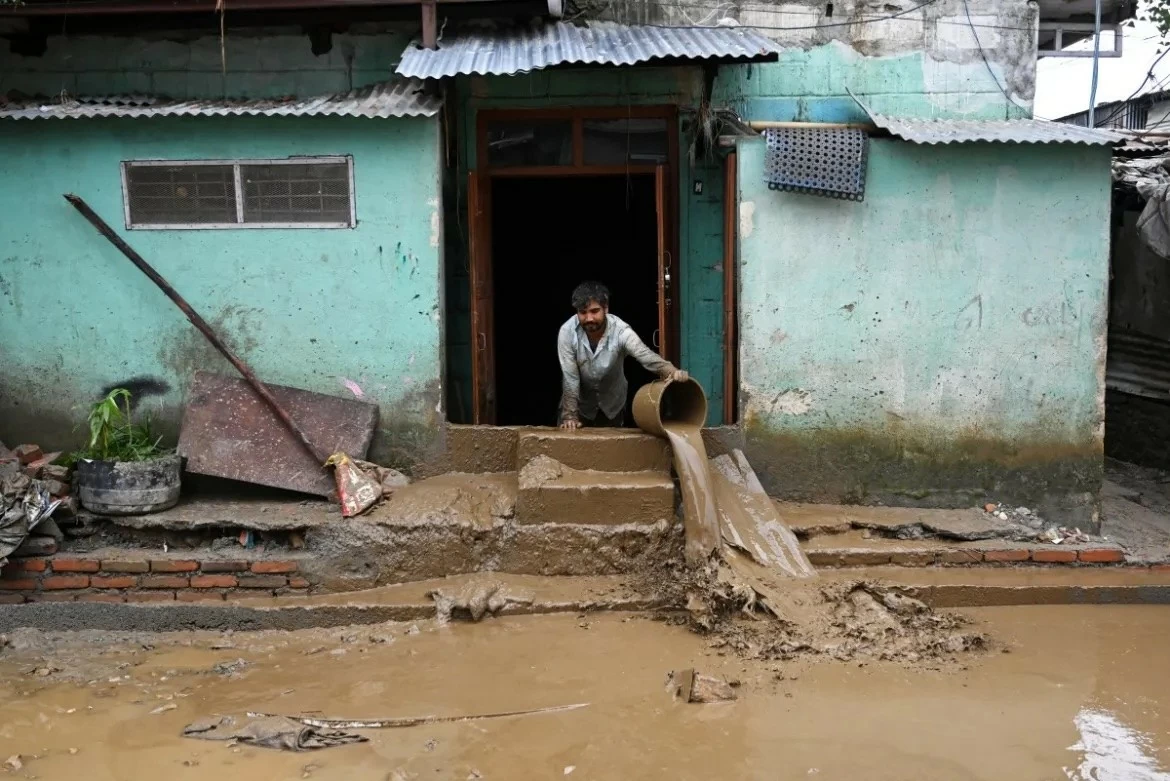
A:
<point x="817" y="161"/>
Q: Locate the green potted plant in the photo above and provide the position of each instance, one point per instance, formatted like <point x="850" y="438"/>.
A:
<point x="123" y="469"/>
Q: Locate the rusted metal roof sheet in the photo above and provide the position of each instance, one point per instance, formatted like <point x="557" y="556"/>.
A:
<point x="1138" y="364"/>
<point x="1009" y="131"/>
<point x="400" y="98"/>
<point x="522" y="49"/>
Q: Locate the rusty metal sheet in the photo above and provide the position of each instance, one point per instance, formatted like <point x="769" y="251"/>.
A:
<point x="229" y="432"/>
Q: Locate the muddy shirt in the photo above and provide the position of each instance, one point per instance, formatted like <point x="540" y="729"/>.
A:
<point x="595" y="379"/>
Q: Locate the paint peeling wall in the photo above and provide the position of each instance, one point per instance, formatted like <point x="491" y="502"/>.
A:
<point x="940" y="58"/>
<point x="940" y="343"/>
<point x="337" y="311"/>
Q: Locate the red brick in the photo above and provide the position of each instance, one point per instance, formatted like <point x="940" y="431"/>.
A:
<point x="920" y="558"/>
<point x="150" y="596"/>
<point x="1054" y="556"/>
<point x="117" y="581"/>
<point x="298" y="583"/>
<point x="18" y="584"/>
<point x="171" y="565"/>
<point x="273" y="567"/>
<point x="961" y="557"/>
<point x="1007" y="554"/>
<point x="224" y="566"/>
<point x="27" y="453"/>
<point x="864" y="558"/>
<point x="25" y="565"/>
<point x="112" y="598"/>
<point x="213" y="581"/>
<point x="1101" y="555"/>
<point x="263" y="581"/>
<point x="199" y="596"/>
<point x="126" y="566"/>
<point x="164" y="581"/>
<point x="11" y="599"/>
<point x="55" y="582"/>
<point x="75" y="565"/>
<point x="56" y="596"/>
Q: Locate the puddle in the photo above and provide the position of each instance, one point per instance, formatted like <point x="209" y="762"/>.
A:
<point x="1077" y="697"/>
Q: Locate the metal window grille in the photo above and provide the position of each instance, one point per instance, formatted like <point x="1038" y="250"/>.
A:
<point x="291" y="193"/>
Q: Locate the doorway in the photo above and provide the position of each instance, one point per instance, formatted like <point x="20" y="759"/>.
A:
<point x="562" y="196"/>
<point x="548" y="235"/>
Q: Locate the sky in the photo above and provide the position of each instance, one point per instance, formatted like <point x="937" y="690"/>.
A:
<point x="1063" y="83"/>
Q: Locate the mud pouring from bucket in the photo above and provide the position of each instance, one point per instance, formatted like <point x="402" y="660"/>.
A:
<point x="725" y="508"/>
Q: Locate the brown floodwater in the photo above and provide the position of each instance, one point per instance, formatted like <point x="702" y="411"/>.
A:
<point x="1080" y="695"/>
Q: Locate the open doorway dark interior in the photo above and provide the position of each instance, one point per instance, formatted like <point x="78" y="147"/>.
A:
<point x="548" y="235"/>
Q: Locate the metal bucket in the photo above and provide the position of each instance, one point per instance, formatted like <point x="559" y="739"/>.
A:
<point x="129" y="487"/>
<point x="668" y="401"/>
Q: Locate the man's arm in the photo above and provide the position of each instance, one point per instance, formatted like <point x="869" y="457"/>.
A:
<point x="649" y="359"/>
<point x="570" y="381"/>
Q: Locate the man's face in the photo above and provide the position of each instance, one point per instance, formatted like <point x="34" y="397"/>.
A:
<point x="592" y="317"/>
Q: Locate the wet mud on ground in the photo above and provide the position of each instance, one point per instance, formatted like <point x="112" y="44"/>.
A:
<point x="1068" y="692"/>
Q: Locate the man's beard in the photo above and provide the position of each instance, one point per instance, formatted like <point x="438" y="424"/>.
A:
<point x="591" y="327"/>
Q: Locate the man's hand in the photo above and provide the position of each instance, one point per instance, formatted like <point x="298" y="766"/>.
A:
<point x="570" y="424"/>
<point x="678" y="375"/>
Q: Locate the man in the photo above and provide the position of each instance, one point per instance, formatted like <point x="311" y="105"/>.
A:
<point x="592" y="346"/>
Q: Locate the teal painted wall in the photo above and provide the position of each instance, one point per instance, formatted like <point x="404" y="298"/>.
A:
<point x="309" y="308"/>
<point x="181" y="66"/>
<point x="700" y="217"/>
<point x="813" y="85"/>
<point x="941" y="342"/>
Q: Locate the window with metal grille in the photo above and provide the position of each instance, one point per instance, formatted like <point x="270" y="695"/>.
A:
<point x="300" y="192"/>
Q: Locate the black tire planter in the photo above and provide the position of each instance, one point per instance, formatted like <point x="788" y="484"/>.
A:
<point x="129" y="487"/>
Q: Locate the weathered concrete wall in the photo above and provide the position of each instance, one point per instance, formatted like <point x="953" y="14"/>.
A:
<point x="315" y="309"/>
<point x="182" y="65"/>
<point x="901" y="57"/>
<point x="942" y="342"/>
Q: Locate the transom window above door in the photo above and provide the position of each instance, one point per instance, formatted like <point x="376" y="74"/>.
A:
<point x="576" y="138"/>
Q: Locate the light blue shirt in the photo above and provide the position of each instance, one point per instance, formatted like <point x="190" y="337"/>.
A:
<point x="594" y="379"/>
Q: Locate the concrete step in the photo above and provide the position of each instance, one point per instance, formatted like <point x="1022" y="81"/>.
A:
<point x="856" y="549"/>
<point x="603" y="450"/>
<point x="526" y="595"/>
<point x="551" y="492"/>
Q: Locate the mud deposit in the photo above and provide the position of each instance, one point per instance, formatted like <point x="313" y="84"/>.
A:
<point x="1079" y="696"/>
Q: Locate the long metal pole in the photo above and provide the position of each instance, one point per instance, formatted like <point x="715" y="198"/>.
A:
<point x="261" y="389"/>
<point x="1096" y="61"/>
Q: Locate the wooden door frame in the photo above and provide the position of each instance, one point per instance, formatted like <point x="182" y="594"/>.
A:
<point x="480" y="225"/>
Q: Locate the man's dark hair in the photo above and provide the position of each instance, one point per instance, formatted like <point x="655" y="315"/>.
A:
<point x="590" y="291"/>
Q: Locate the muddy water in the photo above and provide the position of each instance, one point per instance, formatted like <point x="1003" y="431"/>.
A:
<point x="717" y="510"/>
<point x="699" y="516"/>
<point x="1081" y="695"/>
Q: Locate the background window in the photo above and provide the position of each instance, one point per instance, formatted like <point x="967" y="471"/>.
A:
<point x="293" y="193"/>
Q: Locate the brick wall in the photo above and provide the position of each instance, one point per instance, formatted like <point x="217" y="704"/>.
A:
<point x="131" y="578"/>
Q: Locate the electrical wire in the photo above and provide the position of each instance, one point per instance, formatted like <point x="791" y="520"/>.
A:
<point x="1121" y="106"/>
<point x="903" y="12"/>
<point x="983" y="56"/>
<point x="763" y="7"/>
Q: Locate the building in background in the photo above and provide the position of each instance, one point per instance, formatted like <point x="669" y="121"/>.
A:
<point x="840" y="218"/>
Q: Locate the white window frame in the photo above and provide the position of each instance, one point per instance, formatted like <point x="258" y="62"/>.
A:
<point x="239" y="223"/>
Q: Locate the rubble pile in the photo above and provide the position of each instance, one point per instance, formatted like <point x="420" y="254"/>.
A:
<point x="1033" y="527"/>
<point x="33" y="491"/>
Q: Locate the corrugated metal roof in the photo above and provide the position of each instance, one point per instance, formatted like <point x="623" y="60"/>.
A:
<point x="518" y="50"/>
<point x="401" y="98"/>
<point x="1138" y="364"/>
<point x="1015" y="131"/>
